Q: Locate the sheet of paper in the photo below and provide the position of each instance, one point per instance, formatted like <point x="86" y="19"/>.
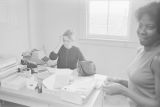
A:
<point x="49" y="82"/>
<point x="59" y="79"/>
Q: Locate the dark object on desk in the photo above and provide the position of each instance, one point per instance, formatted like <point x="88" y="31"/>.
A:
<point x="32" y="56"/>
<point x="22" y="68"/>
<point x="32" y="71"/>
<point x="39" y="87"/>
<point x="45" y="59"/>
<point x="53" y="55"/>
<point x="24" y="62"/>
<point x="29" y="64"/>
<point x="86" y="68"/>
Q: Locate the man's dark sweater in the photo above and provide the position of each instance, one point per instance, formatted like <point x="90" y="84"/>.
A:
<point x="67" y="58"/>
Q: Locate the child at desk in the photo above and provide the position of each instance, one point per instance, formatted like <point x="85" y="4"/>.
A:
<point x="68" y="55"/>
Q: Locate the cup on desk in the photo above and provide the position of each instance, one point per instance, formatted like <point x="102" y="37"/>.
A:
<point x="39" y="86"/>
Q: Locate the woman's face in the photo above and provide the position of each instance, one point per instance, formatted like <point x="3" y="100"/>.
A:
<point x="147" y="31"/>
<point x="67" y="42"/>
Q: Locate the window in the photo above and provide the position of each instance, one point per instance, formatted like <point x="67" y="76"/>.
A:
<point x="108" y="19"/>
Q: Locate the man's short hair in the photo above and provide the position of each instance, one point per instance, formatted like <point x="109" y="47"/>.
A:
<point x="69" y="34"/>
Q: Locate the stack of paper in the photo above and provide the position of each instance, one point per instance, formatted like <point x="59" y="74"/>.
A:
<point x="59" y="79"/>
<point x="7" y="63"/>
<point x="13" y="82"/>
<point x="7" y="66"/>
<point x="79" y="90"/>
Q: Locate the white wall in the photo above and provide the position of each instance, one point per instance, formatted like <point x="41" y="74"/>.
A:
<point x="58" y="16"/>
<point x="13" y="27"/>
<point x="35" y="21"/>
<point x="20" y="26"/>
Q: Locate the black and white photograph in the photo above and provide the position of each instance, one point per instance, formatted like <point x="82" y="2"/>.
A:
<point x="79" y="53"/>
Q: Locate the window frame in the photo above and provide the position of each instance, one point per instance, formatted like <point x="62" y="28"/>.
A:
<point x="108" y="37"/>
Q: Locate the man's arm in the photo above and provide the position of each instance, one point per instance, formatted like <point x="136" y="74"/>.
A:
<point x="80" y="55"/>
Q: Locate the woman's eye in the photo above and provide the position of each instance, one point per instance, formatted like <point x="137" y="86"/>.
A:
<point x="149" y="27"/>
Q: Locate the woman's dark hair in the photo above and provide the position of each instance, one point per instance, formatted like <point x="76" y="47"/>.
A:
<point x="151" y="9"/>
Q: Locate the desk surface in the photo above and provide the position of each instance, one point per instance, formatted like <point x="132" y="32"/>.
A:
<point x="32" y="98"/>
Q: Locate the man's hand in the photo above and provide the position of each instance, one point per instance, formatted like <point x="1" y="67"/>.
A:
<point x="51" y="63"/>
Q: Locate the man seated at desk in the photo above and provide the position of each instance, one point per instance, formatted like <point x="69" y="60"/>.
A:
<point x="68" y="55"/>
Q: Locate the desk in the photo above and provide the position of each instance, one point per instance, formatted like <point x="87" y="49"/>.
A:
<point x="33" y="99"/>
